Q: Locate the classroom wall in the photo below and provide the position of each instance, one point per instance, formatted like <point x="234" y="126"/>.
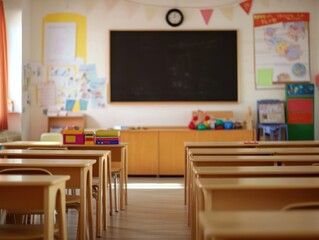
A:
<point x="129" y="15"/>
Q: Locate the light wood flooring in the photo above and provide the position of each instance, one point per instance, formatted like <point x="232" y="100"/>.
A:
<point x="155" y="210"/>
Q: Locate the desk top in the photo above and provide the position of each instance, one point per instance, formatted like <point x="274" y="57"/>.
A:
<point x="31" y="180"/>
<point x="26" y="144"/>
<point x="12" y="162"/>
<point x="257" y="144"/>
<point x="231" y="151"/>
<point x="257" y="158"/>
<point x="295" y="150"/>
<point x="273" y="170"/>
<point x="54" y="152"/>
<point x="262" y="224"/>
<point x="258" y="183"/>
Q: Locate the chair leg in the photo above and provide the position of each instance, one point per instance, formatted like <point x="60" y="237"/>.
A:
<point x="116" y="204"/>
<point x="110" y="195"/>
<point x="3" y="216"/>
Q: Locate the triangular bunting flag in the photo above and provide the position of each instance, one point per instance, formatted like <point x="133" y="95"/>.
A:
<point x="150" y="12"/>
<point x="246" y="5"/>
<point x="110" y="4"/>
<point x="227" y="12"/>
<point x="132" y="8"/>
<point x="206" y="13"/>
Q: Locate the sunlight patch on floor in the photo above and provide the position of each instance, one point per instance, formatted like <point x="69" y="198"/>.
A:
<point x="155" y="186"/>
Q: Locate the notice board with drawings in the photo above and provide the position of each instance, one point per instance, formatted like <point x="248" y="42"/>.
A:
<point x="281" y="46"/>
<point x="173" y="66"/>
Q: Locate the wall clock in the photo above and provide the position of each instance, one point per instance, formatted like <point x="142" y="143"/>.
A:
<point x="174" y="17"/>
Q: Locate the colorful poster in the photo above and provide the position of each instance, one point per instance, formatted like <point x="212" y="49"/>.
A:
<point x="98" y="86"/>
<point x="281" y="49"/>
<point x="60" y="43"/>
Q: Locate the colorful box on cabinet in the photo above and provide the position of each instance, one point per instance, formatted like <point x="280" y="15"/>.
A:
<point x="72" y="136"/>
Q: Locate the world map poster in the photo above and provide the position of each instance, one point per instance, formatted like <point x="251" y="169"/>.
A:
<point x="281" y="49"/>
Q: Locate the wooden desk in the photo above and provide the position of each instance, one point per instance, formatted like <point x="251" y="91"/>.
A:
<point x="296" y="151"/>
<point x="101" y="170"/>
<point x="191" y="152"/>
<point x="251" y="144"/>
<point x="243" y="172"/>
<point x="80" y="172"/>
<point x="272" y="193"/>
<point x="260" y="225"/>
<point x="241" y="144"/>
<point x="36" y="192"/>
<point x="119" y="156"/>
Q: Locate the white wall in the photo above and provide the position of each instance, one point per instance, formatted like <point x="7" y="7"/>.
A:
<point x="100" y="20"/>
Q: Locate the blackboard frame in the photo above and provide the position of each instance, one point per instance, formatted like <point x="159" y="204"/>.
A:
<point x="118" y="93"/>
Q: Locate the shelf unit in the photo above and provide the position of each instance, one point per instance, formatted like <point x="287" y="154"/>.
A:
<point x="64" y="121"/>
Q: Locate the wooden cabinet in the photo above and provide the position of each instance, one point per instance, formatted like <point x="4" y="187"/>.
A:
<point x="57" y="122"/>
<point x="160" y="151"/>
<point x="142" y="151"/>
<point x="171" y="151"/>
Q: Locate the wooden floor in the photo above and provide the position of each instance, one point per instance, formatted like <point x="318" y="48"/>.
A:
<point x="155" y="210"/>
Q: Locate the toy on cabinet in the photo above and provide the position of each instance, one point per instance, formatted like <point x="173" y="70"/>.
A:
<point x="211" y="120"/>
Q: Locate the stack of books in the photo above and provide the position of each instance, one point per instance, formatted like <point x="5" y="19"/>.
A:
<point x="109" y="136"/>
<point x="89" y="137"/>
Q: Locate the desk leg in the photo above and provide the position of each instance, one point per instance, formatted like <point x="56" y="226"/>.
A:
<point x="82" y="224"/>
<point x="123" y="181"/>
<point x="185" y="175"/>
<point x="89" y="205"/>
<point x="125" y="160"/>
<point x="99" y="201"/>
<point x="108" y="180"/>
<point x="54" y="197"/>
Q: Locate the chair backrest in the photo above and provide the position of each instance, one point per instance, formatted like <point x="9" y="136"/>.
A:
<point x="52" y="137"/>
<point x="25" y="171"/>
<point x="47" y="148"/>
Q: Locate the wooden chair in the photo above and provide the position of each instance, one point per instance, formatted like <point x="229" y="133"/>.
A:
<point x="116" y="174"/>
<point x="47" y="148"/>
<point x="52" y="137"/>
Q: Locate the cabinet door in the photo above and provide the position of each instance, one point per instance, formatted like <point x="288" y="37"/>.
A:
<point x="142" y="152"/>
<point x="172" y="151"/>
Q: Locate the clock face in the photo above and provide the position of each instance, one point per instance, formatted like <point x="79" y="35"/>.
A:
<point x="174" y="17"/>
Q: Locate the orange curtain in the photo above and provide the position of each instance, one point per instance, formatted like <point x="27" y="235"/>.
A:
<point x="3" y="71"/>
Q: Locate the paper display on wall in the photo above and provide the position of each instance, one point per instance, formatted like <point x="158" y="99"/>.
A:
<point x="281" y="48"/>
<point x="46" y="94"/>
<point x="60" y="43"/>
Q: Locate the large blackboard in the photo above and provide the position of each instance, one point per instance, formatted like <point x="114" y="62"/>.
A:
<point x="173" y="66"/>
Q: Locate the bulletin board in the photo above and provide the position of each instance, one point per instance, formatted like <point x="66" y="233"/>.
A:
<point x="281" y="42"/>
<point x="80" y="22"/>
